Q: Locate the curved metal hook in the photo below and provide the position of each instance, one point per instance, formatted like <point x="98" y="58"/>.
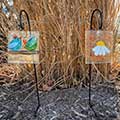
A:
<point x="28" y="20"/>
<point x="101" y="17"/>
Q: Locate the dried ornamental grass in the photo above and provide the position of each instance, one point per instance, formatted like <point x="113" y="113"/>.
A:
<point x="9" y="74"/>
<point x="62" y="25"/>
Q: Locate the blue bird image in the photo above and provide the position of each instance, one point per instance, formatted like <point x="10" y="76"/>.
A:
<point x="15" y="44"/>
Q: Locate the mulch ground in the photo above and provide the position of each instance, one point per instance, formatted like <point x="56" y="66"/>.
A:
<point x="66" y="104"/>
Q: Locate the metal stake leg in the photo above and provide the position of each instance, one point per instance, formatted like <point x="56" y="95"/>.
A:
<point x="90" y="103"/>
<point x="90" y="85"/>
<point x="37" y="90"/>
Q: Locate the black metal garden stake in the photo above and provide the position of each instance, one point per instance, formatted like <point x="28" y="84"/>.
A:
<point x="34" y="65"/>
<point x="90" y="65"/>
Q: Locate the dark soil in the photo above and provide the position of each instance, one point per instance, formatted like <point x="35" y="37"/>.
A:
<point x="66" y="104"/>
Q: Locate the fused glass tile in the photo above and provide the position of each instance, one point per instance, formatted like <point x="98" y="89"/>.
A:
<point x="98" y="46"/>
<point x="23" y="47"/>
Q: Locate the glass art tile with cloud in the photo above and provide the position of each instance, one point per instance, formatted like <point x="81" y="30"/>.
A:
<point x="98" y="46"/>
<point x="23" y="47"/>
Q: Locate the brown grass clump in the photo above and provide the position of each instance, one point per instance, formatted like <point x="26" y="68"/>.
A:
<point x="62" y="25"/>
<point x="9" y="74"/>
